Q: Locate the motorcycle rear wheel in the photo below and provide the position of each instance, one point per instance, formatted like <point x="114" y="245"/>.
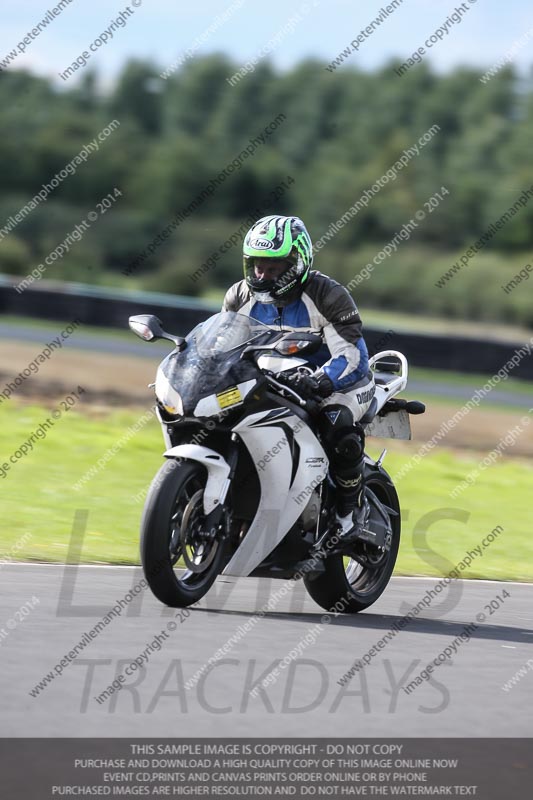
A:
<point x="346" y="585"/>
<point x="180" y="560"/>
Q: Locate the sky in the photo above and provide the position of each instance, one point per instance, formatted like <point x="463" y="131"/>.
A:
<point x="162" y="30"/>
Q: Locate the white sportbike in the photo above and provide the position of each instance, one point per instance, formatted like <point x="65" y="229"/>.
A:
<point x="245" y="489"/>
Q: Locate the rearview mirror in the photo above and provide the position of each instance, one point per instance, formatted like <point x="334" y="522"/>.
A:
<point x="149" y="328"/>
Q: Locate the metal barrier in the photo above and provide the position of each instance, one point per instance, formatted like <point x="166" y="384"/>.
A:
<point x="100" y="306"/>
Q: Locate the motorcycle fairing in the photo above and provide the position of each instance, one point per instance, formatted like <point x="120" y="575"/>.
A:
<point x="290" y="463"/>
<point x="217" y="468"/>
<point x="215" y="404"/>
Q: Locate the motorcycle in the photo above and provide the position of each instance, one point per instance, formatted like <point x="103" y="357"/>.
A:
<point x="245" y="489"/>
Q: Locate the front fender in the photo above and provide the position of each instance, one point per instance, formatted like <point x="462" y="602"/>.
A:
<point x="217" y="468"/>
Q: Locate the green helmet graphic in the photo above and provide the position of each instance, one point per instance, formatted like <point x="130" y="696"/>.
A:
<point x="284" y="240"/>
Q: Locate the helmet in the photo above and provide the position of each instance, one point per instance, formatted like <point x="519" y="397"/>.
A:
<point x="282" y="239"/>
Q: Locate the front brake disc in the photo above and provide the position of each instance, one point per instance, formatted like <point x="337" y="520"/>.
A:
<point x="191" y="529"/>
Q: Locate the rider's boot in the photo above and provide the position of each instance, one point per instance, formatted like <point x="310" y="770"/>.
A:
<point x="353" y="510"/>
<point x="355" y="522"/>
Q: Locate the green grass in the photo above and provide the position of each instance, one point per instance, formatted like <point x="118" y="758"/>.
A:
<point x="438" y="530"/>
<point x="38" y="498"/>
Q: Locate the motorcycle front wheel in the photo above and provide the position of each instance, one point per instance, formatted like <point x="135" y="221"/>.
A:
<point x="180" y="559"/>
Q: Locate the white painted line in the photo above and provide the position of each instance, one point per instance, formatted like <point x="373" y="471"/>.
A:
<point x="81" y="566"/>
<point x="138" y="566"/>
<point x="463" y="580"/>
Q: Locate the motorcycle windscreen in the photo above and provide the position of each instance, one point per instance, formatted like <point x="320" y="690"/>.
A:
<point x="211" y="361"/>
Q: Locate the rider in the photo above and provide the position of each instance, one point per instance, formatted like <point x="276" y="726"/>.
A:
<point x="280" y="290"/>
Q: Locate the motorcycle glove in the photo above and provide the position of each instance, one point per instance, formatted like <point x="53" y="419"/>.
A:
<point x="308" y="386"/>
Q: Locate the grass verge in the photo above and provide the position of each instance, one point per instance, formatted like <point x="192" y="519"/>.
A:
<point x="39" y="501"/>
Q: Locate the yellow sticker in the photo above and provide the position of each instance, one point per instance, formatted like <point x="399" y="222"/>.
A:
<point x="232" y="397"/>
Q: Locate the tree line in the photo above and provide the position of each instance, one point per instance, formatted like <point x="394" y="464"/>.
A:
<point x="392" y="206"/>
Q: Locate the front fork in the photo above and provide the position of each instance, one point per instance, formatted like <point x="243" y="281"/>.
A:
<point x="213" y="519"/>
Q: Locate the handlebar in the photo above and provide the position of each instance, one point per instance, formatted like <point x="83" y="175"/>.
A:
<point x="311" y="406"/>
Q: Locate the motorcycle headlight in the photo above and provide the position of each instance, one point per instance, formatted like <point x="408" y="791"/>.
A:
<point x="169" y="398"/>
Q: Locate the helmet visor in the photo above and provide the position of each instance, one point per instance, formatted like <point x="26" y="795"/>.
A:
<point x="270" y="279"/>
<point x="267" y="269"/>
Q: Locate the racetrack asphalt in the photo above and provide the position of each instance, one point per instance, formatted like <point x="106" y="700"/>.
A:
<point x="463" y="698"/>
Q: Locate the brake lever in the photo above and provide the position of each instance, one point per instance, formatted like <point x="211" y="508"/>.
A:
<point x="285" y="390"/>
<point x="311" y="406"/>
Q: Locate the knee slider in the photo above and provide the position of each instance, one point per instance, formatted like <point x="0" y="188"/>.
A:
<point x="349" y="449"/>
<point x="343" y="438"/>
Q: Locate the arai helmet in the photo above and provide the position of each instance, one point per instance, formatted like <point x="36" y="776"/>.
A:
<point x="280" y="239"/>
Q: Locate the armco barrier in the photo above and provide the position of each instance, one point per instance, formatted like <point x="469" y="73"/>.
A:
<point x="111" y="308"/>
<point x="100" y="306"/>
